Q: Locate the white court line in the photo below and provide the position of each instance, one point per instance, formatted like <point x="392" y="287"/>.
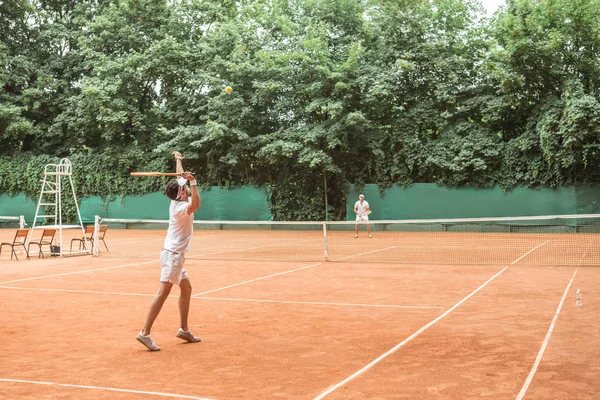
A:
<point x="545" y="343"/>
<point x="257" y="279"/>
<point x="315" y="303"/>
<point x="76" y="291"/>
<point x="76" y="272"/>
<point x="283" y="273"/>
<point x="539" y="245"/>
<point x="405" y="341"/>
<point x="226" y="298"/>
<point x="225" y="250"/>
<point x="585" y="253"/>
<point x="179" y="396"/>
<point x="362" y="254"/>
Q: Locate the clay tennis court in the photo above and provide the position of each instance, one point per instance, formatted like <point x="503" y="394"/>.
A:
<point x="293" y="326"/>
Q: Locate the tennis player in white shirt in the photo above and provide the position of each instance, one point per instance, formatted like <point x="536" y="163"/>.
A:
<point x="184" y="201"/>
<point x="361" y="208"/>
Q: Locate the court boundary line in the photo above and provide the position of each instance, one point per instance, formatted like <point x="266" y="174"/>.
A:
<point x="362" y="254"/>
<point x="529" y="252"/>
<point x="405" y="341"/>
<point x="179" y="396"/>
<point x="77" y="272"/>
<point x="257" y="279"/>
<point x="317" y="303"/>
<point x="585" y="253"/>
<point x="78" y="291"/>
<point x="224" y="250"/>
<point x="540" y="354"/>
<point x="241" y="300"/>
<point x="283" y="273"/>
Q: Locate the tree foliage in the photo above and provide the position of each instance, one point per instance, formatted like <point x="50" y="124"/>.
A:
<point x="335" y="91"/>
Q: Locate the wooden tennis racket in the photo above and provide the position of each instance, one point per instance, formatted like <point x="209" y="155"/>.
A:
<point x="155" y="174"/>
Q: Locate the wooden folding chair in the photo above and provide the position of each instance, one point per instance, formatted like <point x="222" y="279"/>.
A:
<point x="88" y="236"/>
<point x="18" y="241"/>
<point x="102" y="233"/>
<point x="46" y="240"/>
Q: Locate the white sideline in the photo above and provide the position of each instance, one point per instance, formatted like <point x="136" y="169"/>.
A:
<point x="77" y="272"/>
<point x="520" y="258"/>
<point x="257" y="279"/>
<point x="76" y="291"/>
<point x="538" y="359"/>
<point x="284" y="272"/>
<point x="317" y="303"/>
<point x="405" y="341"/>
<point x="225" y="250"/>
<point x="179" y="396"/>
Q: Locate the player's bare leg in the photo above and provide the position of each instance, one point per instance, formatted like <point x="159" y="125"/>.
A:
<point x="155" y="306"/>
<point x="184" y="302"/>
<point x="184" y="309"/>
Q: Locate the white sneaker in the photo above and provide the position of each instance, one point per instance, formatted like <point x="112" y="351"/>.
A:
<point x="147" y="341"/>
<point x="370" y="235"/>
<point x="187" y="336"/>
<point x="355" y="236"/>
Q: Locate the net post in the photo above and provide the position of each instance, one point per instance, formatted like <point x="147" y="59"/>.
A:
<point x="96" y="233"/>
<point x="22" y="222"/>
<point x="325" y="240"/>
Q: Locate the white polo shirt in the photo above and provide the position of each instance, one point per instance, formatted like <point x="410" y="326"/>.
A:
<point x="361" y="208"/>
<point x="181" y="227"/>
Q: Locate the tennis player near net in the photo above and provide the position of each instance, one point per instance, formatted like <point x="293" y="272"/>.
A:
<point x="361" y="209"/>
<point x="184" y="201"/>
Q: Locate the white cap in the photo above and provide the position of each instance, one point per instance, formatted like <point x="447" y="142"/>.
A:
<point x="362" y="195"/>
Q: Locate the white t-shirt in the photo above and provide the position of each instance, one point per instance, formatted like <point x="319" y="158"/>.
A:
<point x="181" y="227"/>
<point x="361" y="208"/>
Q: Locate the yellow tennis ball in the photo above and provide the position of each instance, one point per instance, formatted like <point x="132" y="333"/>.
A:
<point x="228" y="89"/>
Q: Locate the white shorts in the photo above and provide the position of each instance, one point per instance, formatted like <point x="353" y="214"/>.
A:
<point x="172" y="267"/>
<point x="362" y="219"/>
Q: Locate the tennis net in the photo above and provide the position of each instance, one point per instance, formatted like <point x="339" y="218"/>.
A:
<point x="548" y="240"/>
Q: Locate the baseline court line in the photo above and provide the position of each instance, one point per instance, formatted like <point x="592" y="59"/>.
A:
<point x="179" y="396"/>
<point x="282" y="273"/>
<point x="539" y="245"/>
<point x="77" y="272"/>
<point x="538" y="359"/>
<point x="405" y="341"/>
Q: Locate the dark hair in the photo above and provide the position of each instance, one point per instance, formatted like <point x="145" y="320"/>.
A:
<point x="172" y="189"/>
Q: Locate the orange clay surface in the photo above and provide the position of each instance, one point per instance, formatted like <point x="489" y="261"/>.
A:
<point x="294" y="329"/>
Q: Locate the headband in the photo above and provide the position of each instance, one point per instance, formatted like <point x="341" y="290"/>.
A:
<point x="181" y="182"/>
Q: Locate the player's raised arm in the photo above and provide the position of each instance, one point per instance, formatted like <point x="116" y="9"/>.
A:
<point x="195" y="203"/>
<point x="178" y="163"/>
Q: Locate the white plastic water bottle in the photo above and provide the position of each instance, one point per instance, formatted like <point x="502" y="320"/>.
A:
<point x="578" y="298"/>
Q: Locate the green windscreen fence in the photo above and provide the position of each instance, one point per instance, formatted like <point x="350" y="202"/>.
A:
<point x="13" y="206"/>
<point x="423" y="201"/>
<point x="419" y="201"/>
<point x="220" y="204"/>
<point x="217" y="203"/>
